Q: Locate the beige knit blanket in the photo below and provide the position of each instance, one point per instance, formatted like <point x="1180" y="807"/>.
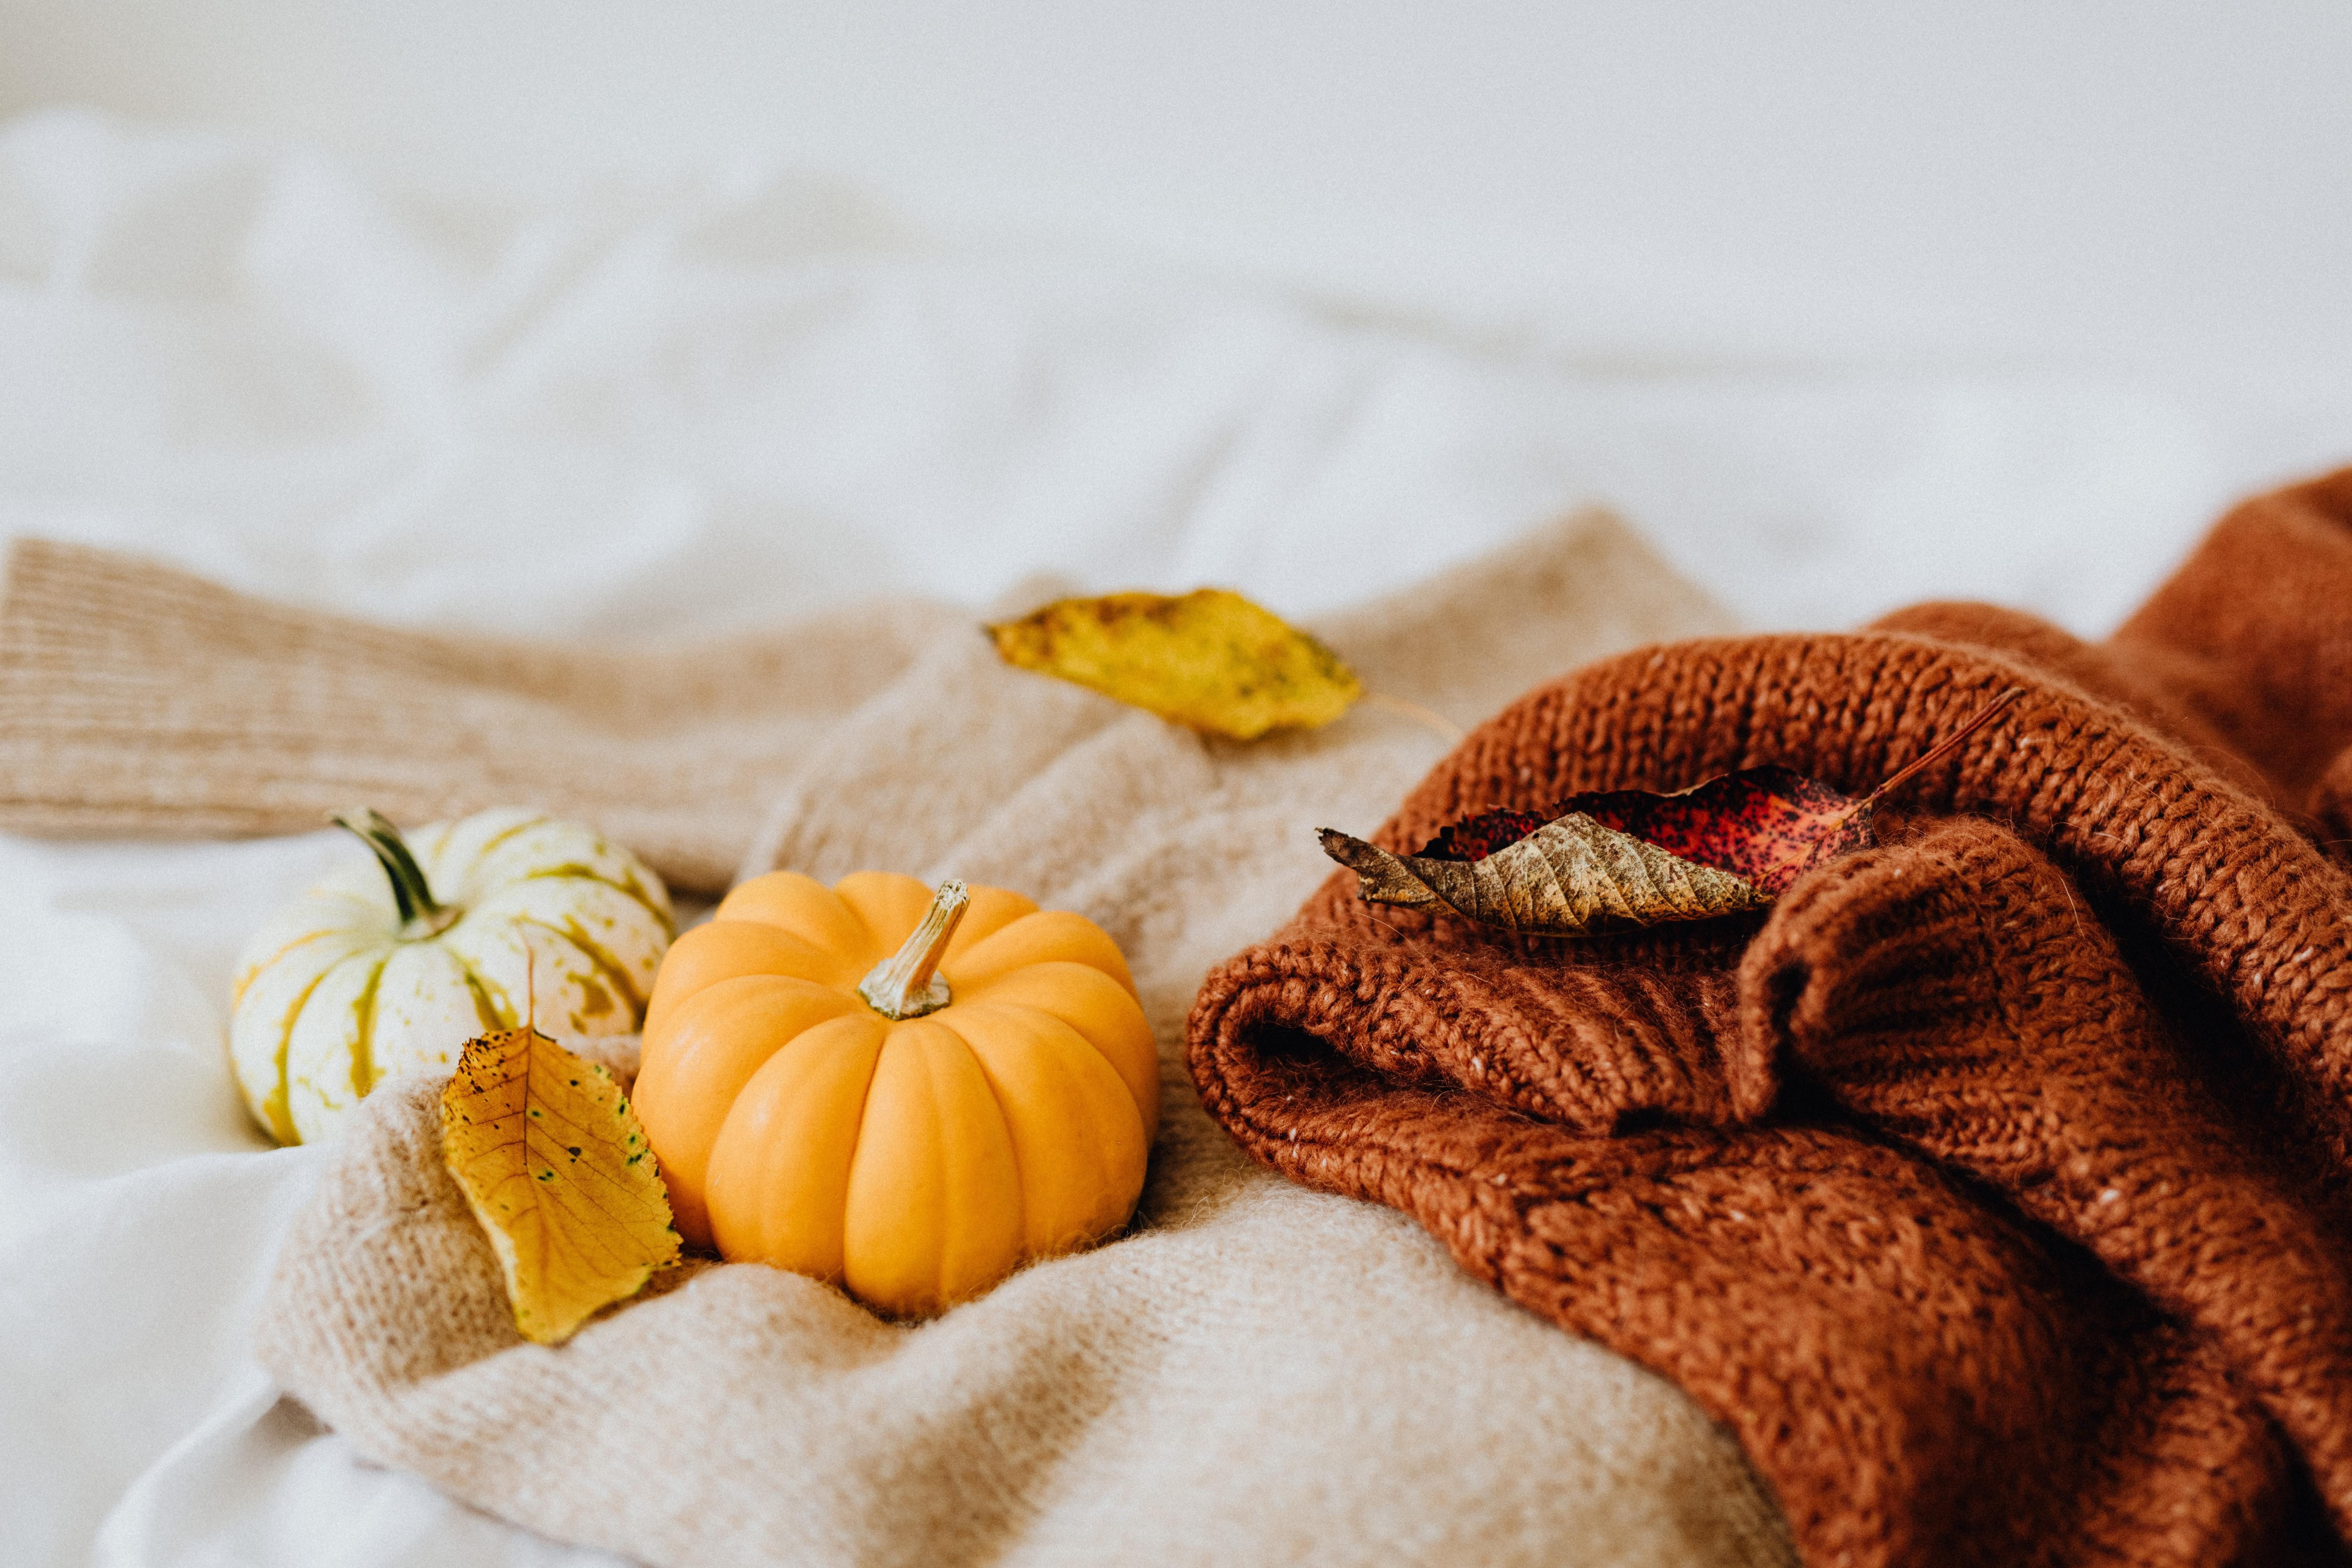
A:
<point x="1253" y="1373"/>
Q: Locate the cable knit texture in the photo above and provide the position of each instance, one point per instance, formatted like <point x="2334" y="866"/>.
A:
<point x="1992" y="1186"/>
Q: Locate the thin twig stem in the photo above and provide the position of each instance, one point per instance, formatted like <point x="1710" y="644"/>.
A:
<point x="1945" y="746"/>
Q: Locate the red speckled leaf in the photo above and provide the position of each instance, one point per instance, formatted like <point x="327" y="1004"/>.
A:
<point x="1623" y="858"/>
<point x="1765" y="825"/>
<point x="1476" y="838"/>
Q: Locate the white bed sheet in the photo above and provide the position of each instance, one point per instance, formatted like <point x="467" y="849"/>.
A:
<point x="662" y="413"/>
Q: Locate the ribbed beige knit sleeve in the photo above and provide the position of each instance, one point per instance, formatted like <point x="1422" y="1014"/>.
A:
<point x="136" y="699"/>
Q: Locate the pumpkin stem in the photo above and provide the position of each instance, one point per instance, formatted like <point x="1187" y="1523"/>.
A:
<point x="419" y="914"/>
<point x="904" y="985"/>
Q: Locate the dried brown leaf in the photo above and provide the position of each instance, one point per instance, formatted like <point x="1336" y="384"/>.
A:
<point x="1628" y="857"/>
<point x="1569" y="877"/>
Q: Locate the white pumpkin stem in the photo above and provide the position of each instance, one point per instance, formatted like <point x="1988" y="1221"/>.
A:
<point x="906" y="985"/>
<point x="419" y="913"/>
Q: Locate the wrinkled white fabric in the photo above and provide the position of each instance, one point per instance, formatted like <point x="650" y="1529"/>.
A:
<point x="714" y="406"/>
<point x="709" y="405"/>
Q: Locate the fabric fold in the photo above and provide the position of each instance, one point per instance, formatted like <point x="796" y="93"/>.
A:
<point x="2012" y="1227"/>
<point x="1950" y="995"/>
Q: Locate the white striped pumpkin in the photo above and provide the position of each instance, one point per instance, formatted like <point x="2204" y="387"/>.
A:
<point x="388" y="967"/>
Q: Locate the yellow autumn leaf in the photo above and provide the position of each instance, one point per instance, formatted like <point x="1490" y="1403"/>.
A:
<point x="555" y="1166"/>
<point x="1209" y="659"/>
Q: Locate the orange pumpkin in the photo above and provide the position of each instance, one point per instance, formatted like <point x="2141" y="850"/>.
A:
<point x="910" y="1094"/>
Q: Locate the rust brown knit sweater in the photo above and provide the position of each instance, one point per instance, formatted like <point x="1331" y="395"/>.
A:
<point x="1993" y="1187"/>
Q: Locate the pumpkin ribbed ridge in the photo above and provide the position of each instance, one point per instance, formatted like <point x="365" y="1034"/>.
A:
<point x="915" y="1162"/>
